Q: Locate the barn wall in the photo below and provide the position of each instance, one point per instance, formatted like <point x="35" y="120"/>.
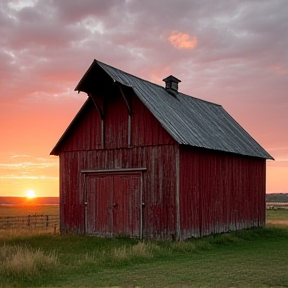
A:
<point x="71" y="201"/>
<point x="220" y="192"/>
<point x="116" y="123"/>
<point x="151" y="147"/>
<point x="145" y="129"/>
<point x="159" y="212"/>
<point x="86" y="134"/>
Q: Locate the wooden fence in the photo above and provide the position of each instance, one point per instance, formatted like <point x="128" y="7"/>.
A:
<point x="36" y="222"/>
<point x="276" y="205"/>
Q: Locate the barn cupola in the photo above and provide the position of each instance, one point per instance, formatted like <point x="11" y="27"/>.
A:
<point x="171" y="84"/>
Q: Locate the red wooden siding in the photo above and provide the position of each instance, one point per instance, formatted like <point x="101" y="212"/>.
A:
<point x="114" y="204"/>
<point x="159" y="184"/>
<point x="87" y="132"/>
<point x="146" y="130"/>
<point x="151" y="147"/>
<point x="99" y="206"/>
<point x="220" y="192"/>
<point x="71" y="196"/>
<point x="116" y="123"/>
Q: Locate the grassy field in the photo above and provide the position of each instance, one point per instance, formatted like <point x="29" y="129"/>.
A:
<point x="24" y="210"/>
<point x="277" y="217"/>
<point x="253" y="258"/>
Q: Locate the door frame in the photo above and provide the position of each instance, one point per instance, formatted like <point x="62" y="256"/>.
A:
<point x="117" y="171"/>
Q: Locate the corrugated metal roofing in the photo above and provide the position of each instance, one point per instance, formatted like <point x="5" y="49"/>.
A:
<point x="190" y="121"/>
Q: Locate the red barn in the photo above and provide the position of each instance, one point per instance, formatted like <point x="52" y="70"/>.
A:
<point x="148" y="161"/>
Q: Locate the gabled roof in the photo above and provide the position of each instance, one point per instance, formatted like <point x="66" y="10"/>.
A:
<point x="190" y="121"/>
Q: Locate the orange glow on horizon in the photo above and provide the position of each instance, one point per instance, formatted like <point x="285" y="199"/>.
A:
<point x="276" y="182"/>
<point x="44" y="187"/>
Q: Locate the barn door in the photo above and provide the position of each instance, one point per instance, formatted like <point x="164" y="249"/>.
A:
<point x="98" y="206"/>
<point x="114" y="204"/>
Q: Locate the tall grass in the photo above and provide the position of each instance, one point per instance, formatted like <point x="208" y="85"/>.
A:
<point x="15" y="233"/>
<point x="22" y="262"/>
<point x="54" y="259"/>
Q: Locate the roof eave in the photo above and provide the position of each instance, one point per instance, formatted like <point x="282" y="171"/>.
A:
<point x="57" y="148"/>
<point x="267" y="156"/>
<point x="78" y="87"/>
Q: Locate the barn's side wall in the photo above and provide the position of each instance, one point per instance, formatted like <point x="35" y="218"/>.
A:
<point x="151" y="147"/>
<point x="220" y="192"/>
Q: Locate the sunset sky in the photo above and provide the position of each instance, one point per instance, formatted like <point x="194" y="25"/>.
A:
<point x="234" y="53"/>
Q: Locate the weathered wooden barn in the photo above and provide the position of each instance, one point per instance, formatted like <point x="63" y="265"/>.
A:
<point x="150" y="162"/>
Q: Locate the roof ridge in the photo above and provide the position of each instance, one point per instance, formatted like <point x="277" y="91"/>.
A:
<point x="155" y="84"/>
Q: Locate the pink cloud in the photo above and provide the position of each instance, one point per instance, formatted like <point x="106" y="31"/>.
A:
<point x="279" y="69"/>
<point x="182" y="40"/>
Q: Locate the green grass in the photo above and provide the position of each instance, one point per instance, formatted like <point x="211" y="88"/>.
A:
<point x="254" y="258"/>
<point x="277" y="214"/>
<point x="251" y="258"/>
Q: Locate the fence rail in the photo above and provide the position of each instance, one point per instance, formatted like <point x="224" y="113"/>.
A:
<point x="37" y="222"/>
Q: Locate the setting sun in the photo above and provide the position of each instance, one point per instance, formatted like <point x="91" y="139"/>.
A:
<point x="30" y="193"/>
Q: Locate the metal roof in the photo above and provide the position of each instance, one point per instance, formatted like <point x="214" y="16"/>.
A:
<point x="189" y="120"/>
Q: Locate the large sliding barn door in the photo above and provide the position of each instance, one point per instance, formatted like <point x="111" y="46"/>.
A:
<point x="114" y="204"/>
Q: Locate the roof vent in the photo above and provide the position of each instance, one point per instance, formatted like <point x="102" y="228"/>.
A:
<point x="171" y="83"/>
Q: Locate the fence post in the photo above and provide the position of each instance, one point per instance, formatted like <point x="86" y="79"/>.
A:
<point x="47" y="221"/>
<point x="28" y="224"/>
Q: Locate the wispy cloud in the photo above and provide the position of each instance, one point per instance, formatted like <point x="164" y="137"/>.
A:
<point x="20" y="156"/>
<point x="39" y="168"/>
<point x="20" y="4"/>
<point x="284" y="149"/>
<point x="28" y="165"/>
<point x="41" y="177"/>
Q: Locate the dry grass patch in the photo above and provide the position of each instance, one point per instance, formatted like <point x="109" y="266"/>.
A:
<point x="25" y="210"/>
<point x="14" y="233"/>
<point x="120" y="255"/>
<point x="126" y="253"/>
<point x="277" y="222"/>
<point x="22" y="262"/>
